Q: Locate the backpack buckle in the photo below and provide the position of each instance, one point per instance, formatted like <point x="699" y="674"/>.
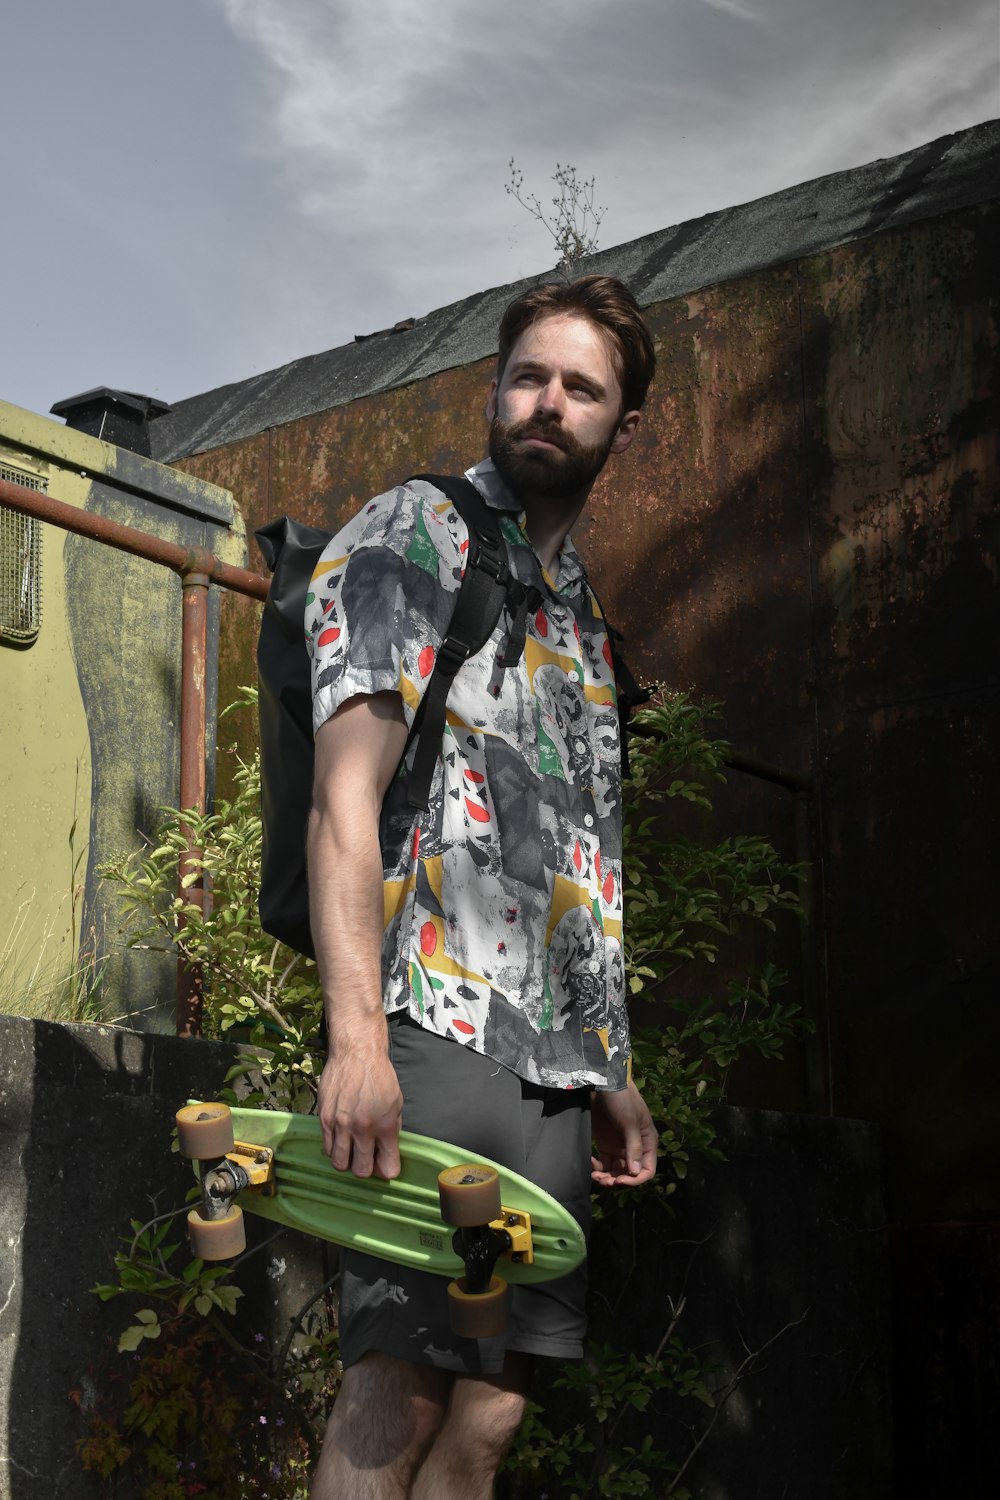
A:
<point x="451" y="654"/>
<point x="492" y="562"/>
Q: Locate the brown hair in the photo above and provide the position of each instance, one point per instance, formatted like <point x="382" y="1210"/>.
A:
<point x="609" y="305"/>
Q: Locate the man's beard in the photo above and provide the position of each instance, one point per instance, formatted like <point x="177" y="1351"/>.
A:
<point x="557" y="473"/>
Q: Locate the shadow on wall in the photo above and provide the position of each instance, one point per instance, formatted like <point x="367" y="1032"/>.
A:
<point x="772" y="1267"/>
<point x="805" y="528"/>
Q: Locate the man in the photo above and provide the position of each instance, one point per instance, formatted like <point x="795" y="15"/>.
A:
<point x="471" y="955"/>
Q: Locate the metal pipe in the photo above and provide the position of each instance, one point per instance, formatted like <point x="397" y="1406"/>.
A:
<point x="193" y="789"/>
<point x="792" y="781"/>
<point x="127" y="539"/>
<point x="198" y="569"/>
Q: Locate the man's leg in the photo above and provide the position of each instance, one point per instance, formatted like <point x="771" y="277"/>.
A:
<point x="384" y="1419"/>
<point x="484" y="1413"/>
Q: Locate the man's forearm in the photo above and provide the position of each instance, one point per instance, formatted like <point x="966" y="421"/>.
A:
<point x="360" y="1104"/>
<point x="357" y="752"/>
<point x="345" y="911"/>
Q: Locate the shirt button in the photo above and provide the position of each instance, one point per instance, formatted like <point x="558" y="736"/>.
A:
<point x="594" y="966"/>
<point x="588" y="821"/>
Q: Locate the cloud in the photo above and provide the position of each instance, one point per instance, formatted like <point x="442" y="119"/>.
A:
<point x="387" y="128"/>
<point x="737" y="10"/>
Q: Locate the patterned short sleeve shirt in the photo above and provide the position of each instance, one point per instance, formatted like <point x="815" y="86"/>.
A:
<point x="503" y="902"/>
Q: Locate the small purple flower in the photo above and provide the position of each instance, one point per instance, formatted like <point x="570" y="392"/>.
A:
<point x="262" y="1420"/>
<point x="258" y="1338"/>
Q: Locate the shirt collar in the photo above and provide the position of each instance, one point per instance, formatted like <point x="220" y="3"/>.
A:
<point x="498" y="497"/>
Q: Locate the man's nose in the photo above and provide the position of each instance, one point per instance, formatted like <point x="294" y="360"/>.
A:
<point x="551" y="399"/>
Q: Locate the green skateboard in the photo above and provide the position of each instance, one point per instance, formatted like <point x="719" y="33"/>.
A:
<point x="448" y="1210"/>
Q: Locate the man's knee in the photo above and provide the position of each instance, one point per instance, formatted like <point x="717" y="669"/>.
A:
<point x="386" y="1414"/>
<point x="492" y="1424"/>
<point x="484" y="1414"/>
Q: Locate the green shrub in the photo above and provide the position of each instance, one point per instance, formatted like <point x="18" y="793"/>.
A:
<point x="687" y="902"/>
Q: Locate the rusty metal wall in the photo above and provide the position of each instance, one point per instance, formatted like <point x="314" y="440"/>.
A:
<point x="807" y="528"/>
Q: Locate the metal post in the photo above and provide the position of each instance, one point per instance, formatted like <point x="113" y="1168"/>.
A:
<point x="194" y="653"/>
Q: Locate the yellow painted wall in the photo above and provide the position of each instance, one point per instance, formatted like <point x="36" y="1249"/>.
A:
<point x="89" y="713"/>
<point x="45" y="768"/>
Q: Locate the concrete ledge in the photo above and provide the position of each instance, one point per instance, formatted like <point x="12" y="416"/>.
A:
<point x="86" y="1114"/>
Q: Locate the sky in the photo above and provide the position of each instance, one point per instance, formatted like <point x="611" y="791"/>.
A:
<point x="198" y="190"/>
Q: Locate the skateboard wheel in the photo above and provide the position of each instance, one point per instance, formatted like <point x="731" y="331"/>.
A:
<point x="470" y="1195"/>
<point x="478" y="1315"/>
<point x="205" y="1131"/>
<point x="217" y="1239"/>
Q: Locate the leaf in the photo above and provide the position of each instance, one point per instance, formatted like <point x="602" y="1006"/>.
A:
<point x="227" y="1297"/>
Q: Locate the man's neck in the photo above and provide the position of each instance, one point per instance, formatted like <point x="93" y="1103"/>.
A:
<point x="548" y="523"/>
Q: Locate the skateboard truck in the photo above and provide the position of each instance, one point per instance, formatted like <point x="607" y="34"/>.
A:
<point x="484" y="1230"/>
<point x="225" y="1168"/>
<point x="245" y="1166"/>
<point x="480" y="1246"/>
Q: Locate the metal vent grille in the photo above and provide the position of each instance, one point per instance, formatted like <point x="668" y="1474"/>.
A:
<point x="20" y="566"/>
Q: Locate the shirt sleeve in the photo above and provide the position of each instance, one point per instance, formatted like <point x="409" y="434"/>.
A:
<point x="381" y="599"/>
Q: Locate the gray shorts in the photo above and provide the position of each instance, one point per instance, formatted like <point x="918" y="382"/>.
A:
<point x="544" y="1134"/>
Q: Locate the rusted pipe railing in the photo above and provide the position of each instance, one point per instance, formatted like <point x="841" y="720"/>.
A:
<point x="198" y="569"/>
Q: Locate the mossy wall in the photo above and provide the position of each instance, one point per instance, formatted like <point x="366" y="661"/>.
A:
<point x="91" y="710"/>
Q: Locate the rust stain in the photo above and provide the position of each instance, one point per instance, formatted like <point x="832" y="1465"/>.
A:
<point x="805" y="528"/>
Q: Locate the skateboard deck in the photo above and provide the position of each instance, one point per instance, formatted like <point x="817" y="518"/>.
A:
<point x="399" y="1220"/>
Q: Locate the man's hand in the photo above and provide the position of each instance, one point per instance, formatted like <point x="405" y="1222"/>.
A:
<point x="360" y="1107"/>
<point x="625" y="1138"/>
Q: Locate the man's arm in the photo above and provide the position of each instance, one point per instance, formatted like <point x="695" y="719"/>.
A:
<point x="357" y="752"/>
<point x="625" y="1138"/>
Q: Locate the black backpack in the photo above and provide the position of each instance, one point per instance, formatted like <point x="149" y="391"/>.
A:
<point x="292" y="552"/>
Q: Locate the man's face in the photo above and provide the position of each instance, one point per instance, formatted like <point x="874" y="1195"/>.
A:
<point x="556" y="414"/>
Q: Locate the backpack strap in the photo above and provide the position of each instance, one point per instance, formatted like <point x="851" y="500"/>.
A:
<point x="630" y="695"/>
<point x="487" y="585"/>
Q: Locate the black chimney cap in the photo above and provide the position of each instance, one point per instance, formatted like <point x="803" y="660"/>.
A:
<point x="119" y="417"/>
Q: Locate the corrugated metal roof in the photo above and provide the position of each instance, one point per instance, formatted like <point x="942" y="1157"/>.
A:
<point x="952" y="173"/>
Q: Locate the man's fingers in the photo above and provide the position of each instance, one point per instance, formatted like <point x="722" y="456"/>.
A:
<point x="362" y="1159"/>
<point x="352" y="1149"/>
<point x="387" y="1163"/>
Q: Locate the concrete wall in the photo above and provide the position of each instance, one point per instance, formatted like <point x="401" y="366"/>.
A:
<point x="86" y="1115"/>
<point x="90" y="716"/>
<point x="85" y="1119"/>
<point x="805" y="527"/>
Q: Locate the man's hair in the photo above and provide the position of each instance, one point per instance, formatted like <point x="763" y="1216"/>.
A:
<point x="609" y="305"/>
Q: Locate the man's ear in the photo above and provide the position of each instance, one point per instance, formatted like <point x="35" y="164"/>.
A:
<point x="626" y="432"/>
<point x="491" y="401"/>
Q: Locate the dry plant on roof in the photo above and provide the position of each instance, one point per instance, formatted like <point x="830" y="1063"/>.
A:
<point x="571" y="217"/>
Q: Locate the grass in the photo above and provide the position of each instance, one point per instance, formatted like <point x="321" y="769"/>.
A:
<point x="40" y="982"/>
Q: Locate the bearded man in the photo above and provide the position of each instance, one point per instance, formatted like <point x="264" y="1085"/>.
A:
<point x="470" y="954"/>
